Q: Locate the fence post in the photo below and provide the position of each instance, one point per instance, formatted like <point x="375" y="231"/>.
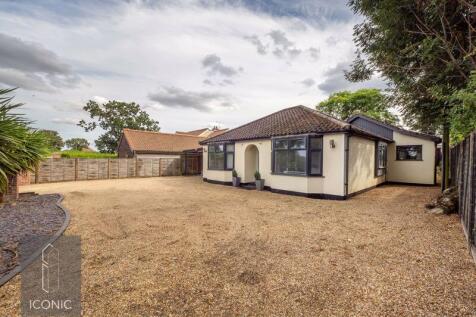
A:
<point x="160" y="167"/>
<point x="135" y="167"/>
<point x="76" y="167"/>
<point x="108" y="168"/>
<point x="37" y="173"/>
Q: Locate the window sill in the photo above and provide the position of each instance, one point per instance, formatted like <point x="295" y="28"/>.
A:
<point x="297" y="175"/>
<point x="409" y="160"/>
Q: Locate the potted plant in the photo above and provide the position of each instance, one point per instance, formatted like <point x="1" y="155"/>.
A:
<point x="259" y="182"/>
<point x="236" y="179"/>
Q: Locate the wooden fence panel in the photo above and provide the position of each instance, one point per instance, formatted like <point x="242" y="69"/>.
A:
<point x="156" y="167"/>
<point x="170" y="167"/>
<point x="463" y="176"/>
<point x="63" y="169"/>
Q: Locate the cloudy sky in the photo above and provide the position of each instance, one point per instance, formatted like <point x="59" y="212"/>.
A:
<point x="190" y="64"/>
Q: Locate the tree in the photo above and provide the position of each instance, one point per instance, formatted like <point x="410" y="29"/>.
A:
<point x="113" y="117"/>
<point x="21" y="147"/>
<point x="77" y="143"/>
<point x="425" y="48"/>
<point x="54" y="141"/>
<point x="463" y="113"/>
<point x="370" y="102"/>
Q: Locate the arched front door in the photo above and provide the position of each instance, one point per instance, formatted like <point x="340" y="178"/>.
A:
<point x="251" y="163"/>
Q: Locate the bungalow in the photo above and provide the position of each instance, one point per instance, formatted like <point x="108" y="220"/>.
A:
<point x="301" y="151"/>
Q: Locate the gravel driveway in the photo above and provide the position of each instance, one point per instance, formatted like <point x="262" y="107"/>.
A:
<point x="178" y="246"/>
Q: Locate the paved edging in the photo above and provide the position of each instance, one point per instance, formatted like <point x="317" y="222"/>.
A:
<point x="37" y="253"/>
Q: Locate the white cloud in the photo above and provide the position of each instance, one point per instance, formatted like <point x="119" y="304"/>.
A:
<point x="31" y="66"/>
<point x="202" y="101"/>
<point x="71" y="121"/>
<point x="214" y="66"/>
<point x="308" y="82"/>
<point x="135" y="48"/>
<point x="100" y="100"/>
<point x="335" y="80"/>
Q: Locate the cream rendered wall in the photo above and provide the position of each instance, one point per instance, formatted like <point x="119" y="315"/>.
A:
<point x="332" y="181"/>
<point x="362" y="164"/>
<point x="221" y="176"/>
<point x="417" y="172"/>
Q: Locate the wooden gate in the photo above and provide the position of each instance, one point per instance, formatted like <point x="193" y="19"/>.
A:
<point x="192" y="162"/>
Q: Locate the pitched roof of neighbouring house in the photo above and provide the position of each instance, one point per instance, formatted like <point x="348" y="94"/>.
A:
<point x="289" y="121"/>
<point x="158" y="142"/>
<point x="397" y="129"/>
<point x="206" y="132"/>
<point x="193" y="132"/>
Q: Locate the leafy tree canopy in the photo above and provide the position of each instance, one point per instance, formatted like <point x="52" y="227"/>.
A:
<point x="425" y="48"/>
<point x="21" y="147"/>
<point x="77" y="143"/>
<point x="370" y="102"/>
<point x="463" y="113"/>
<point x="54" y="141"/>
<point x="113" y="117"/>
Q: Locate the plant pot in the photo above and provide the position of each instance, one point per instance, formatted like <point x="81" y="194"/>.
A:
<point x="236" y="181"/>
<point x="259" y="184"/>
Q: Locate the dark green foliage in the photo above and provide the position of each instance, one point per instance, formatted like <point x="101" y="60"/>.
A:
<point x="463" y="112"/>
<point x="21" y="148"/>
<point x="426" y="49"/>
<point x="77" y="143"/>
<point x="54" y="141"/>
<point x="370" y="102"/>
<point x="113" y="117"/>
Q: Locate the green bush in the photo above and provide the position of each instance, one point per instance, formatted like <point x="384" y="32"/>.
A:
<point x="80" y="154"/>
<point x="21" y="147"/>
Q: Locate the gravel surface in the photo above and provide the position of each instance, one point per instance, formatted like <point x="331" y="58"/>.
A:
<point x="178" y="246"/>
<point x="27" y="221"/>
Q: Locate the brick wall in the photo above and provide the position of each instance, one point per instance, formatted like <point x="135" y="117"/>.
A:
<point x="12" y="190"/>
<point x="24" y="178"/>
<point x="124" y="150"/>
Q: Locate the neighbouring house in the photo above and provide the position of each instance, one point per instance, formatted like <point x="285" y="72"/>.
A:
<point x="205" y="132"/>
<point x="150" y="144"/>
<point x="301" y="151"/>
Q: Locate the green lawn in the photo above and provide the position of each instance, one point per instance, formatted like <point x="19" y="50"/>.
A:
<point x="80" y="154"/>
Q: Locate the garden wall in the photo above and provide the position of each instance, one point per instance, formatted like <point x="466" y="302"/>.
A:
<point x="66" y="169"/>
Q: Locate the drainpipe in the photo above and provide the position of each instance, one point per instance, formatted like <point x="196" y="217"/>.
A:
<point x="346" y="164"/>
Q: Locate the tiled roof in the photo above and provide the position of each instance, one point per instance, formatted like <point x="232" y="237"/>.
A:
<point x="206" y="132"/>
<point x="193" y="132"/>
<point x="397" y="129"/>
<point x="289" y="121"/>
<point x="158" y="142"/>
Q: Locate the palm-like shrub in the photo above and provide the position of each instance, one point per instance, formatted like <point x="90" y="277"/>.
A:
<point x="21" y="147"/>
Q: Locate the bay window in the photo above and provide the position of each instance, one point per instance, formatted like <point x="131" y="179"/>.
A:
<point x="221" y="156"/>
<point x="297" y="155"/>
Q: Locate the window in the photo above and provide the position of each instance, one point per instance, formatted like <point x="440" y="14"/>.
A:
<point x="230" y="156"/>
<point x="294" y="156"/>
<point x="315" y="150"/>
<point x="409" y="153"/>
<point x="380" y="158"/>
<point x="221" y="156"/>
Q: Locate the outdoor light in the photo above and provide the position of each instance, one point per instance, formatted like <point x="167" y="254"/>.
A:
<point x="332" y="143"/>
